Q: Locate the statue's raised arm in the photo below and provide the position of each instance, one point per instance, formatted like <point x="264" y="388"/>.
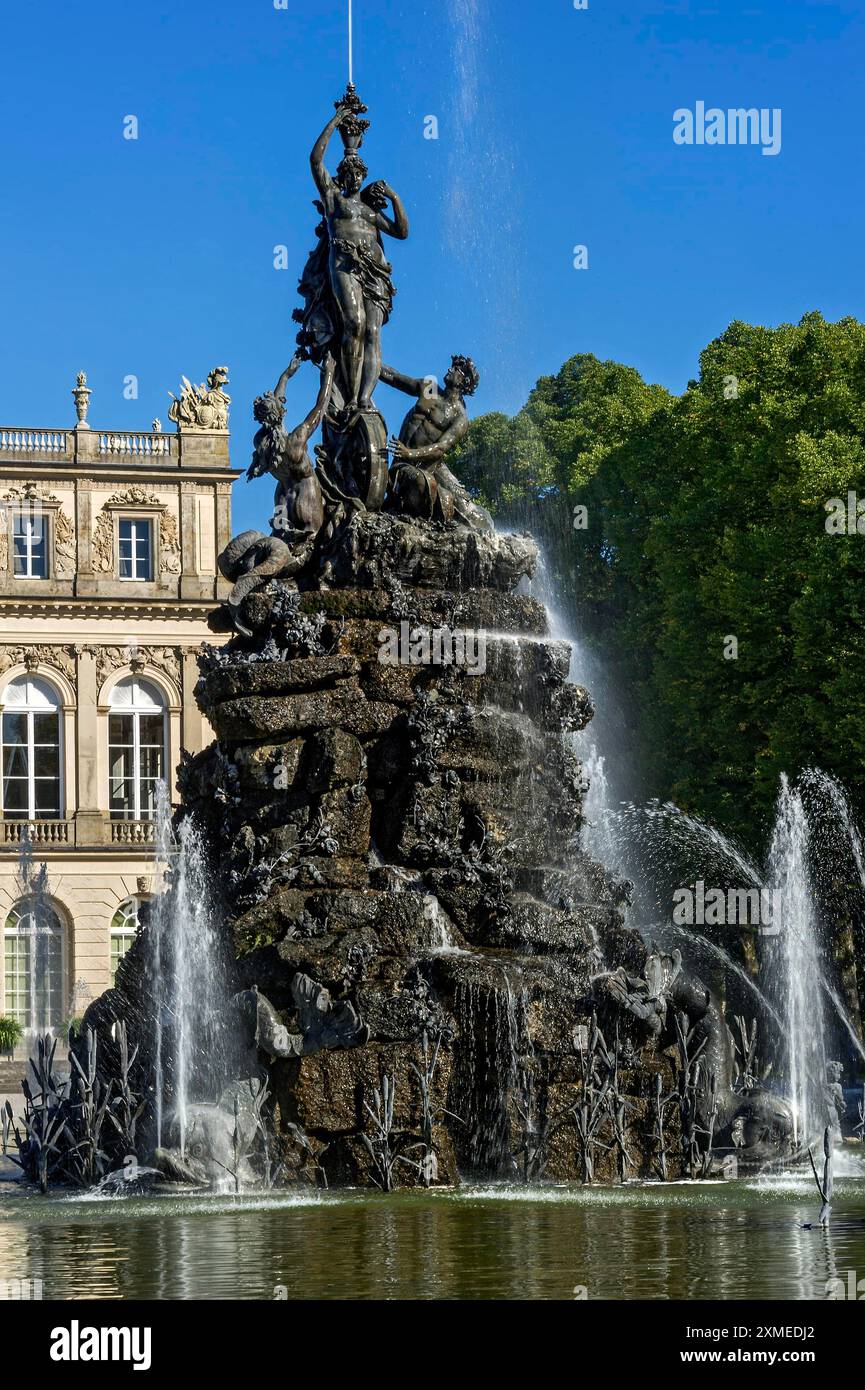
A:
<point x="323" y="181"/>
<point x="411" y="385"/>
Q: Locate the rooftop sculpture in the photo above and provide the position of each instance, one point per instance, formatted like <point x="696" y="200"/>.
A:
<point x="202" y="407"/>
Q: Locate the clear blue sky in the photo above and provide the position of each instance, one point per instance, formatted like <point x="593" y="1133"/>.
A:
<point x="155" y="257"/>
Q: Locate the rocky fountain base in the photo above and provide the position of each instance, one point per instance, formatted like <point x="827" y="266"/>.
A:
<point x="433" y="976"/>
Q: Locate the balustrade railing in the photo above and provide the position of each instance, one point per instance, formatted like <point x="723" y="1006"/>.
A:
<point x="90" y="833"/>
<point x="70" y="445"/>
<point x="133" y="832"/>
<point x="21" y="441"/>
<point x="37" y="832"/>
<point x="124" y="444"/>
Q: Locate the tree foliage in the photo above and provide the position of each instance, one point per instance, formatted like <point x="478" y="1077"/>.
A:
<point x="707" y="522"/>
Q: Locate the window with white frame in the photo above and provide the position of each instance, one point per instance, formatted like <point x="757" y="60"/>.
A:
<point x="30" y="736"/>
<point x="30" y="545"/>
<point x="135" y="547"/>
<point x="124" y="925"/>
<point x="33" y="950"/>
<point x="136" y="749"/>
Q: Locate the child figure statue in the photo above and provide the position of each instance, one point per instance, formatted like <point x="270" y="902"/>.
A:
<point x="298" y="506"/>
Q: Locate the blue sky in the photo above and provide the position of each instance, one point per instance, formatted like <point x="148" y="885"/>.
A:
<point x="155" y="257"/>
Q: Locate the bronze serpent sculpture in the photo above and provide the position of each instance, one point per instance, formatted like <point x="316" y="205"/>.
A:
<point x="251" y="559"/>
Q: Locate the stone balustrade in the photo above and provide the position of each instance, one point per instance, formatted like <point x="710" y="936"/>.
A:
<point x="37" y="832"/>
<point x="194" y="448"/>
<point x="70" y="445"/>
<point x="133" y="832"/>
<point x="93" y="833"/>
<point x="38" y="443"/>
<point x="123" y="444"/>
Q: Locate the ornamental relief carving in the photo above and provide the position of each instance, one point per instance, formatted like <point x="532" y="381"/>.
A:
<point x="169" y="545"/>
<point x="164" y="659"/>
<point x="102" y="544"/>
<point x="60" y="658"/>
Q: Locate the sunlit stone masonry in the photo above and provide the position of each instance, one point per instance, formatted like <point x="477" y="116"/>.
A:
<point x="108" y="548"/>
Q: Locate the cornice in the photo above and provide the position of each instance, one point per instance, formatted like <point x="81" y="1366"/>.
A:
<point x="111" y="608"/>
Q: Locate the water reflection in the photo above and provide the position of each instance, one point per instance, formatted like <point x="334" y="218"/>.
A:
<point x="743" y="1241"/>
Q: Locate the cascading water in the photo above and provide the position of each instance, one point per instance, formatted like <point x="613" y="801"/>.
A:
<point x="493" y="1025"/>
<point x="191" y="977"/>
<point x="660" y="848"/>
<point x="165" y="846"/>
<point x="598" y="839"/>
<point x="604" y="746"/>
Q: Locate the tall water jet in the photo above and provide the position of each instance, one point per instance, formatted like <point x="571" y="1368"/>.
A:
<point x="796" y="982"/>
<point x="165" y="846"/>
<point x="43" y="947"/>
<point x="191" y="977"/>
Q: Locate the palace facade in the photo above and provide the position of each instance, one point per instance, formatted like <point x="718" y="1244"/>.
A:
<point x="108" y="550"/>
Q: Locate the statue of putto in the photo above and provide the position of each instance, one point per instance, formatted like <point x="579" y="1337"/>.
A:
<point x="201" y="407"/>
<point x="298" y="506"/>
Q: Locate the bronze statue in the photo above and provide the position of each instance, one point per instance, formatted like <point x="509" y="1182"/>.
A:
<point x="347" y="295"/>
<point x="347" y="282"/>
<point x="298" y="503"/>
<point x="421" y="484"/>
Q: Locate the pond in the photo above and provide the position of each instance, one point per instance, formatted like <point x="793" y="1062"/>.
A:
<point x="735" y="1240"/>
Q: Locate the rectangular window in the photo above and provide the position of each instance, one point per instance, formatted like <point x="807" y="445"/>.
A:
<point x="29" y="545"/>
<point x="30" y="766"/>
<point x="136" y="750"/>
<point x="120" y="943"/>
<point x="135" y="538"/>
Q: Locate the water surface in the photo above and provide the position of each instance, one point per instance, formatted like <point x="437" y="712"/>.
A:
<point x="739" y="1240"/>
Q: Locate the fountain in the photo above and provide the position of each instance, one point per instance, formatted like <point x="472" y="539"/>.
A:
<point x="42" y="943"/>
<point x="394" y="947"/>
<point x="786" y="965"/>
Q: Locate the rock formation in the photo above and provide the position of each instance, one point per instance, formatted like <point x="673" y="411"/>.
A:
<point x="432" y="975"/>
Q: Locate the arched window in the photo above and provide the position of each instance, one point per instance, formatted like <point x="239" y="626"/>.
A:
<point x="31" y="750"/>
<point x="124" y="925"/>
<point x="136" y="748"/>
<point x="34" y="966"/>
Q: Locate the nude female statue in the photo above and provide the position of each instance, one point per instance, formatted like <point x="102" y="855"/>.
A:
<point x="357" y="272"/>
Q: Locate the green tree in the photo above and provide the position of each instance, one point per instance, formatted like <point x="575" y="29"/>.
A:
<point x="706" y="522"/>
